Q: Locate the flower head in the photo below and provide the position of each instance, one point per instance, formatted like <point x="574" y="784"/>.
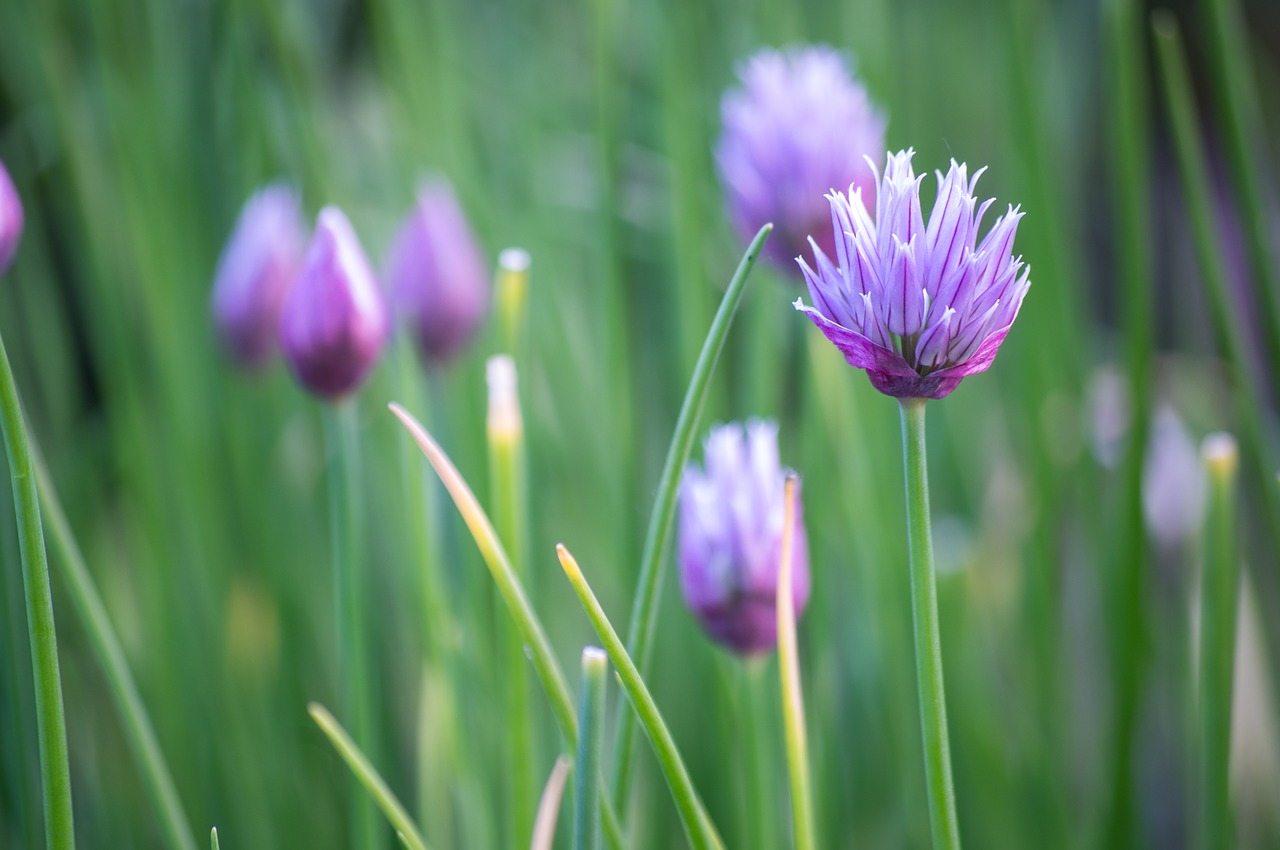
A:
<point x="918" y="306"/>
<point x="731" y="518"/>
<point x="256" y="270"/>
<point x="10" y="219"/>
<point x="799" y="125"/>
<point x="334" y="322"/>
<point x="437" y="273"/>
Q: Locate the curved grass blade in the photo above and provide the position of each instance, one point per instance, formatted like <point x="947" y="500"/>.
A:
<point x="544" y="825"/>
<point x="789" y="672"/>
<point x="644" y="610"/>
<point x="698" y="827"/>
<point x="368" y="776"/>
<point x="495" y="557"/>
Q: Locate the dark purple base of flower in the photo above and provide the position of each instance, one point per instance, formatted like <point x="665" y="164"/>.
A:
<point x="747" y="624"/>
<point x="915" y="386"/>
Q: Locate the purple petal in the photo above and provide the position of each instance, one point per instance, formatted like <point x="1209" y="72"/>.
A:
<point x="856" y="348"/>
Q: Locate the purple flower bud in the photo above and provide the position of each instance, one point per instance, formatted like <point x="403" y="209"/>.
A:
<point x="256" y="270"/>
<point x="334" y="322"/>
<point x="918" y="306"/>
<point x="799" y="125"/>
<point x="10" y="220"/>
<point x="438" y="276"/>
<point x="731" y="518"/>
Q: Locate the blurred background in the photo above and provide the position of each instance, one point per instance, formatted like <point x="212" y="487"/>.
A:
<point x="583" y="132"/>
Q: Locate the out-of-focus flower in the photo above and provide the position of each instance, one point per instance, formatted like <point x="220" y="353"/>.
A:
<point x="1173" y="484"/>
<point x="799" y="126"/>
<point x="256" y="270"/>
<point x="10" y="219"/>
<point x="919" y="308"/>
<point x="438" y="276"/>
<point x="334" y="322"/>
<point x="731" y="518"/>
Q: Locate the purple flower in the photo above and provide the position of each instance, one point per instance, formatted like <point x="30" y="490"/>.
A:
<point x="438" y="276"/>
<point x="256" y="270"/>
<point x="10" y="219"/>
<point x="334" y="322"/>
<point x="731" y="518"/>
<point x="799" y="125"/>
<point x="919" y="307"/>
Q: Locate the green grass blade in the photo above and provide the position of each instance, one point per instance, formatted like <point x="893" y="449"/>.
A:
<point x="792" y="695"/>
<point x="586" y="812"/>
<point x="544" y="825"/>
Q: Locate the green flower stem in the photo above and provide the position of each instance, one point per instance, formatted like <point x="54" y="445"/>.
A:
<point x="106" y="646"/>
<point x="505" y="429"/>
<point x="368" y="776"/>
<point x="924" y="611"/>
<point x="586" y="811"/>
<point x="531" y="630"/>
<point x="698" y="827"/>
<point x="789" y="673"/>
<point x="644" y="610"/>
<point x="1219" y="594"/>
<point x="350" y="597"/>
<point x="55" y="772"/>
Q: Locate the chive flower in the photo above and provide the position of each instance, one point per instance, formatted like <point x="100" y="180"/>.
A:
<point x="256" y="270"/>
<point x="800" y="124"/>
<point x="919" y="307"/>
<point x="334" y="322"/>
<point x="731" y="518"/>
<point x="11" y="219"/>
<point x="437" y="273"/>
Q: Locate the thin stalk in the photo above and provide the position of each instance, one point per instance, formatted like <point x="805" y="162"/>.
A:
<point x="789" y="674"/>
<point x="1219" y="593"/>
<point x="644" y="610"/>
<point x="698" y="827"/>
<point x="924" y="615"/>
<point x="544" y="827"/>
<point x="586" y="803"/>
<point x="505" y="429"/>
<point x="213" y="839"/>
<point x="368" y="777"/>
<point x="139" y="732"/>
<point x="350" y="597"/>
<point x="1209" y="253"/>
<point x="51" y="724"/>
<point x="535" y="636"/>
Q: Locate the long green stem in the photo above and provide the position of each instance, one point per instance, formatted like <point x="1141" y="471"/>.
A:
<point x="792" y="696"/>
<point x="106" y="646"/>
<point x="924" y="613"/>
<point x="345" y="505"/>
<point x="1219" y="592"/>
<point x="644" y="610"/>
<point x="51" y="724"/>
<point x="698" y="827"/>
<point x="367" y="775"/>
<point x="586" y="802"/>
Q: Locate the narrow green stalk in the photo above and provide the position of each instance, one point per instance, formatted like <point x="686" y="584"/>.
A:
<point x="350" y="596"/>
<point x="586" y="811"/>
<point x="754" y="694"/>
<point x="1209" y="253"/>
<point x="51" y="725"/>
<point x="544" y="827"/>
<point x="698" y="827"/>
<point x="368" y="776"/>
<point x="1240" y="117"/>
<point x="792" y="696"/>
<point x="139" y="732"/>
<point x="505" y="430"/>
<point x="510" y="297"/>
<point x="924" y="614"/>
<point x="213" y="839"/>
<point x="535" y="636"/>
<point x="1219" y="594"/>
<point x="644" y="610"/>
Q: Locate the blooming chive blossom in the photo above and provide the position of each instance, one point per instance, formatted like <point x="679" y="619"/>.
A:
<point x="334" y="322"/>
<point x="799" y="125"/>
<point x="731" y="518"/>
<point x="438" y="276"/>
<point x="255" y="272"/>
<point x="11" y="219"/>
<point x="919" y="307"/>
